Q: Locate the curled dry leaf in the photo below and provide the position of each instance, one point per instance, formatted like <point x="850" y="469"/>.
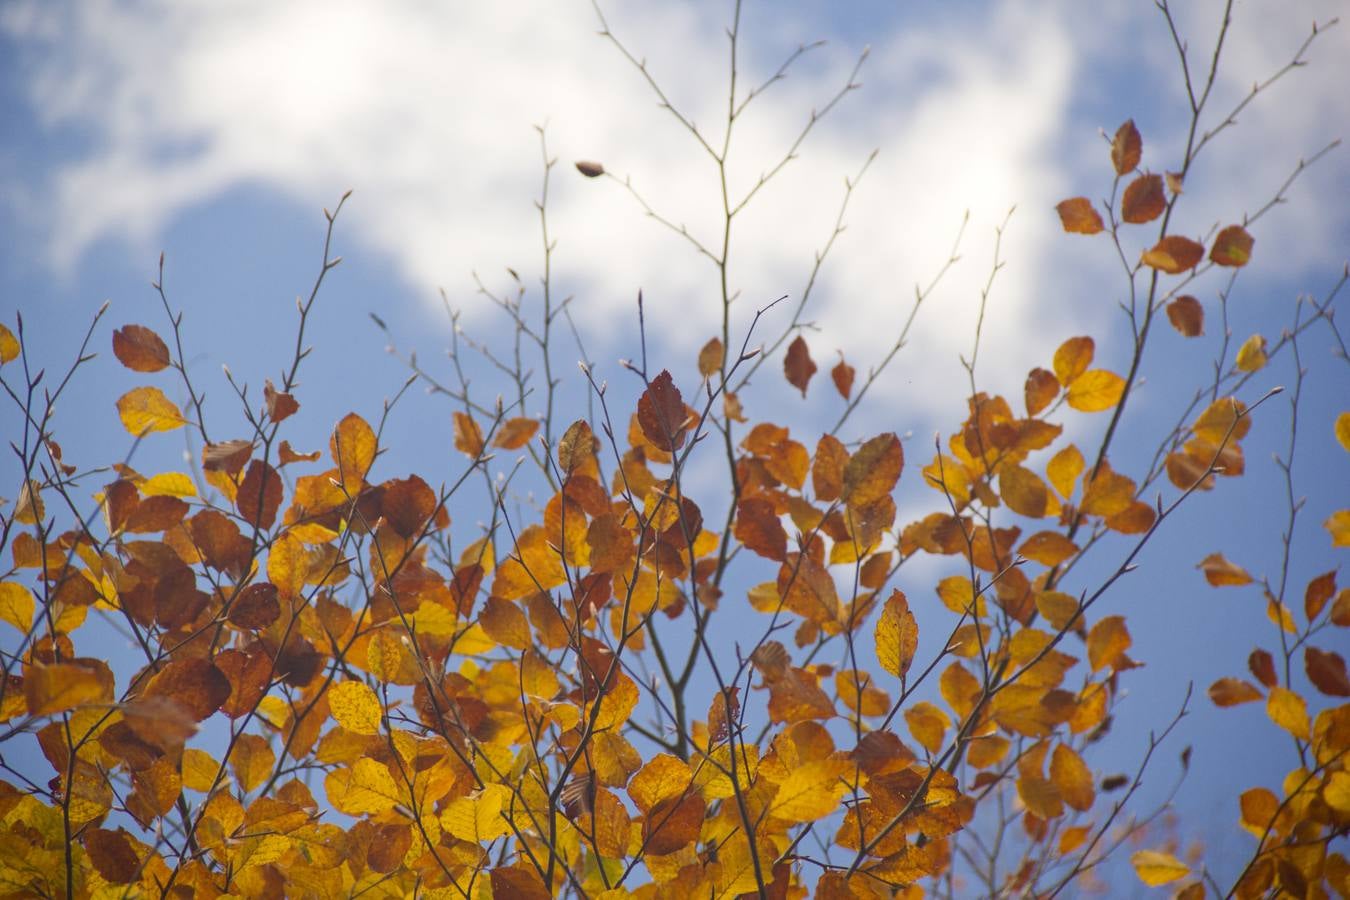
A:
<point x="590" y="169"/>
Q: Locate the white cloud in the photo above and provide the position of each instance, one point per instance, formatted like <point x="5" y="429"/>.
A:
<point x="425" y="110"/>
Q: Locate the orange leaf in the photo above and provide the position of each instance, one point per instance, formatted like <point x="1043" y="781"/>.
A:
<point x="280" y="405"/>
<point x="1127" y="148"/>
<point x="1143" y="200"/>
<point x="1318" y="592"/>
<point x="1232" y="247"/>
<point x="1023" y="491"/>
<point x="759" y="529"/>
<point x="515" y="433"/>
<point x="1219" y="572"/>
<point x="1071" y="775"/>
<point x="798" y="367"/>
<point x="1048" y="548"/>
<point x="1174" y="255"/>
<point x="468" y="436"/>
<point x="1338" y="526"/>
<point x="505" y="623"/>
<point x="1326" y="670"/>
<point x="711" y="357"/>
<point x="1107" y="642"/>
<point x="827" y="470"/>
<point x="661" y="413"/>
<point x="353" y="450"/>
<point x="140" y="349"/>
<point x="872" y="472"/>
<point x="57" y="687"/>
<point x="1072" y="359"/>
<point x="1232" y="691"/>
<point x="1187" y="316"/>
<point x="1078" y="216"/>
<point x="576" y="447"/>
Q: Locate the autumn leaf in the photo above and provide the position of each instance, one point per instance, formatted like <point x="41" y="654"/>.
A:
<point x="842" y="375"/>
<point x="1187" y="316"/>
<point x="1078" y="216"/>
<point x="9" y="346"/>
<point x="1251" y="356"/>
<point x="468" y="436"/>
<point x="1127" y="148"/>
<point x="1338" y="526"/>
<point x="1219" y="572"/>
<point x="1096" y="390"/>
<point x="590" y="169"/>
<point x="1143" y="200"/>
<point x="897" y="635"/>
<point x="1174" y="255"/>
<point x="798" y="366"/>
<point x="661" y="413"/>
<point x="1042" y="387"/>
<point x="1232" y="247"/>
<point x="17" y="605"/>
<point x="758" y="529"/>
<point x="1072" y="359"/>
<point x="1154" y="867"/>
<point x="355" y="707"/>
<point x="1342" y="430"/>
<point x="352" y="446"/>
<point x="872" y="472"/>
<point x="1232" y="691"/>
<point x="144" y="410"/>
<point x="280" y="406"/>
<point x="140" y="349"/>
<point x="1326" y="670"/>
<point x="1289" y="711"/>
<point x="711" y="357"/>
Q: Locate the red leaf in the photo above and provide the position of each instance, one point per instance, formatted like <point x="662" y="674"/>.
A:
<point x="661" y="413"/>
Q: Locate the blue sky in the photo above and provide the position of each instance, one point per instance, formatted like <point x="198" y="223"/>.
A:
<point x="217" y="133"/>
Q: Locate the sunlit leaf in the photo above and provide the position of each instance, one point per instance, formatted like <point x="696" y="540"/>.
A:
<point x="1262" y="665"/>
<point x="1107" y="642"/>
<point x="1078" y="216"/>
<point x="1154" y="867"/>
<point x="1232" y="247"/>
<point x="811" y="791"/>
<point x="1338" y="526"/>
<point x="1023" y="491"/>
<point x="1072" y="359"/>
<point x="17" y="605"/>
<point x="872" y="472"/>
<point x="145" y="410"/>
<point x="1289" y="711"/>
<point x="1042" y="387"/>
<point x="365" y="788"/>
<point x="352" y="446"/>
<point x="468" y="435"/>
<point x="1096" y="390"/>
<point x="1064" y="468"/>
<point x="140" y="349"/>
<point x="928" y="724"/>
<point x="1251" y="356"/>
<point x="9" y="345"/>
<point x="1317" y="593"/>
<point x="355" y="707"/>
<point x="478" y="817"/>
<point x="1174" y="255"/>
<point x="1072" y="777"/>
<point x="897" y="635"/>
<point x="1342" y="430"/>
<point x="57" y="687"/>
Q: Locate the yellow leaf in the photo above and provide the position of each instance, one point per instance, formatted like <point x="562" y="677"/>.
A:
<point x="1071" y="775"/>
<point x="1251" y="356"/>
<point x="16" y="606"/>
<point x="9" y="345"/>
<point x="479" y="817"/>
<point x="1343" y="430"/>
<point x="355" y="707"/>
<point x="1338" y="526"/>
<point x="252" y="759"/>
<point x="367" y="787"/>
<point x="1219" y="572"/>
<point x="928" y="724"/>
<point x="1072" y="359"/>
<point x="352" y="446"/>
<point x="1096" y="390"/>
<point x="897" y="635"/>
<point x="146" y="409"/>
<point x="1155" y="867"/>
<point x="58" y="687"/>
<point x="1289" y="711"/>
<point x="168" y="484"/>
<point x="1336" y="792"/>
<point x="811" y="791"/>
<point x="1064" y="468"/>
<point x="199" y="769"/>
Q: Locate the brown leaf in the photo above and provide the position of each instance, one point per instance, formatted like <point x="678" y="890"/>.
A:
<point x="286" y="454"/>
<point x="1042" y="387"/>
<point x="1232" y="691"/>
<point x="227" y="456"/>
<point x="661" y="413"/>
<point x="1262" y="665"/>
<point x="279" y="406"/>
<point x="1127" y="148"/>
<point x="590" y="169"/>
<point x="1187" y="316"/>
<point x="798" y="366"/>
<point x="842" y="375"/>
<point x="1143" y="200"/>
<point x="256" y="607"/>
<point x="759" y="529"/>
<point x="259" y="494"/>
<point x="873" y="471"/>
<point x="140" y="349"/>
<point x="1078" y="216"/>
<point x="1232" y="247"/>
<point x="1318" y="592"/>
<point x="1174" y="182"/>
<point x="576" y="447"/>
<point x="112" y="854"/>
<point x="1174" y="255"/>
<point x="1326" y="670"/>
<point x="196" y="684"/>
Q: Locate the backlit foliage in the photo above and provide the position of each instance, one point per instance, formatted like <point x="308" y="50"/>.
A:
<point x="336" y="698"/>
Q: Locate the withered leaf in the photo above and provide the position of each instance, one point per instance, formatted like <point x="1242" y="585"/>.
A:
<point x="1143" y="200"/>
<point x="1127" y="148"/>
<point x="661" y="413"/>
<point x="1078" y="216"/>
<point x="798" y="367"/>
<point x="140" y="349"/>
